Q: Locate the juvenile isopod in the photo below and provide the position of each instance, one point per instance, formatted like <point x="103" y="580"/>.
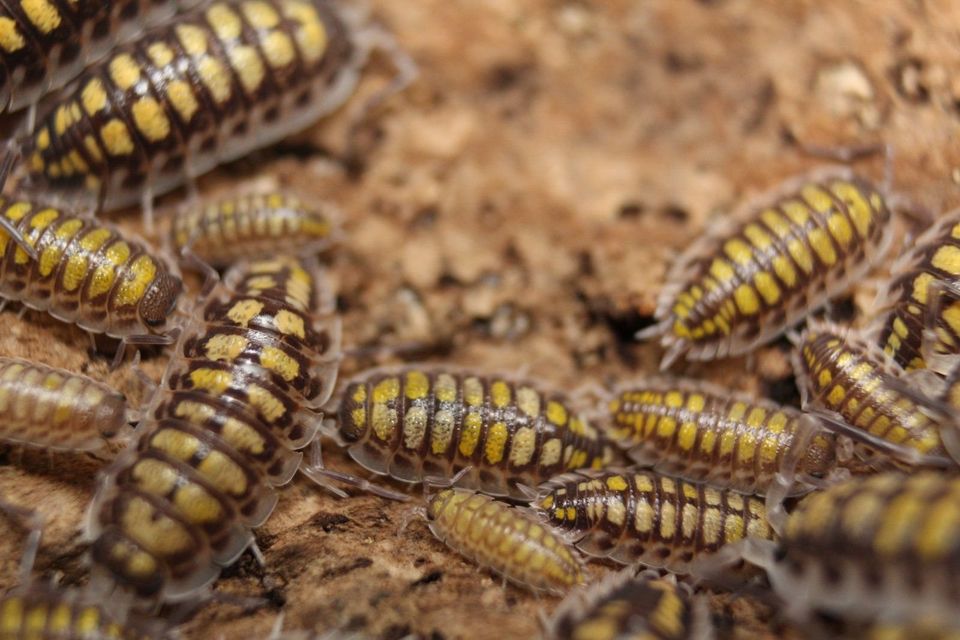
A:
<point x="41" y="406"/>
<point x="253" y="225"/>
<point x="509" y="541"/>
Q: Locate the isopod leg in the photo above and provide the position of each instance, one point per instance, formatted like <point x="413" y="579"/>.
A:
<point x="715" y="567"/>
<point x="32" y="521"/>
<point x="10" y="157"/>
<point x="785" y="477"/>
<point x="30" y="121"/>
<point x="376" y="38"/>
<point x="210" y="276"/>
<point x="324" y="477"/>
<point x="146" y="203"/>
<point x="142" y="340"/>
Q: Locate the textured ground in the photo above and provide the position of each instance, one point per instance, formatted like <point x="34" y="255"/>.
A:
<point x="516" y="209"/>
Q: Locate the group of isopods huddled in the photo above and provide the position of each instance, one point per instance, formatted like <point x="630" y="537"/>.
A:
<point x="851" y="507"/>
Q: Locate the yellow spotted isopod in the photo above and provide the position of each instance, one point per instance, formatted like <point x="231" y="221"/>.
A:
<point x="748" y="280"/>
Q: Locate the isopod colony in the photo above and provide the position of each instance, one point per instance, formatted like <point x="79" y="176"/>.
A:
<point x="847" y="507"/>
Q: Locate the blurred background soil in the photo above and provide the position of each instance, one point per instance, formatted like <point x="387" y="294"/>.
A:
<point x="515" y="210"/>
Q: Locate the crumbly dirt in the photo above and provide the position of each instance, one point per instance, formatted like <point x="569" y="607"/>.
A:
<point x="515" y="210"/>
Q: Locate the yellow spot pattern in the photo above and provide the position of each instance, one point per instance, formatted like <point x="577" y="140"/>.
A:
<point x="496" y="442"/>
<point x="141" y="274"/>
<point x="11" y="39"/>
<point x="42" y="14"/>
<point x="124" y="71"/>
<point x="151" y="119"/>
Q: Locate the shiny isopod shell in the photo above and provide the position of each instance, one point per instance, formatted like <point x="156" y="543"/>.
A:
<point x="253" y="225"/>
<point x="845" y="376"/>
<point x="748" y="281"/>
<point x="211" y="85"/>
<point x="509" y="541"/>
<point x="915" y="300"/>
<point x="414" y="423"/>
<point x="647" y="518"/>
<point x="883" y="546"/>
<point x="41" y="406"/>
<point x="625" y="605"/>
<point x="88" y="273"/>
<point x="701" y="432"/>
<point x="44" y="613"/>
<point x="222" y="432"/>
<point x="46" y="43"/>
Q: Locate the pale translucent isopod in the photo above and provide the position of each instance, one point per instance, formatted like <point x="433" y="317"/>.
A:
<point x="507" y="540"/>
<point x="259" y="224"/>
<point x="46" y="407"/>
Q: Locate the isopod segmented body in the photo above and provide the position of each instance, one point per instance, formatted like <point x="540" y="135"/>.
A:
<point x="46" y="43"/>
<point x="250" y="225"/>
<point x="646" y="518"/>
<point x="416" y="423"/>
<point x="210" y="86"/>
<point x="626" y="605"/>
<point x="223" y="430"/>
<point x="87" y="273"/>
<point x="700" y="432"/>
<point x="860" y="392"/>
<point x="915" y="302"/>
<point x="52" y="408"/>
<point x="879" y="547"/>
<point x="742" y="286"/>
<point x="505" y="539"/>
<point x="62" y="614"/>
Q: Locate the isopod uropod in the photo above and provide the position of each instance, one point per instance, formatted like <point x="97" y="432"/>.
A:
<point x="742" y="285"/>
